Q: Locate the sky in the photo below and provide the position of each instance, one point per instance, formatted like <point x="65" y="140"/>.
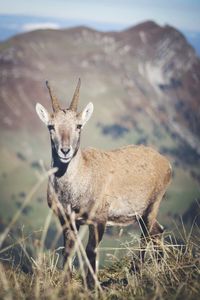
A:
<point x="182" y="14"/>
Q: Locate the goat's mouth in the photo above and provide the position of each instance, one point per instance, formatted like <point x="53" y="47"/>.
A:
<point x="65" y="159"/>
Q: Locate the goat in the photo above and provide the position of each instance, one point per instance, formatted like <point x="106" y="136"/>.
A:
<point x="100" y="187"/>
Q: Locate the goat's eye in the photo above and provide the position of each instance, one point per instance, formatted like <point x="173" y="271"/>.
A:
<point x="79" y="126"/>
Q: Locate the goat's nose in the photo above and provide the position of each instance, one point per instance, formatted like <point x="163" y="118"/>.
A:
<point x="65" y="150"/>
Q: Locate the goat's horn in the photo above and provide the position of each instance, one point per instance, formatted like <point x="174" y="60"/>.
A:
<point x="74" y="103"/>
<point x="54" y="100"/>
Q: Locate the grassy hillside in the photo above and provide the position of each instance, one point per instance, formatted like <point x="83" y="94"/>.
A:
<point x="123" y="276"/>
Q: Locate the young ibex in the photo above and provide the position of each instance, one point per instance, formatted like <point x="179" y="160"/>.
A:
<point x="100" y="187"/>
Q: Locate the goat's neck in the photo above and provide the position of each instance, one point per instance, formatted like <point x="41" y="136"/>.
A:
<point x="69" y="170"/>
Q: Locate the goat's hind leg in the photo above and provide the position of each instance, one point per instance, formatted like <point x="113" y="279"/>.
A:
<point x="156" y="237"/>
<point x="151" y="229"/>
<point x="144" y="238"/>
<point x="151" y="233"/>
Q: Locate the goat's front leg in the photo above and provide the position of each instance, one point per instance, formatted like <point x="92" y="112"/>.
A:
<point x="96" y="232"/>
<point x="69" y="241"/>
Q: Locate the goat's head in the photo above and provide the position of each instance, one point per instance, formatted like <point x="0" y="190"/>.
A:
<point x="65" y="125"/>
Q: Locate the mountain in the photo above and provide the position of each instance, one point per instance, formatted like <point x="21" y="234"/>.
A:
<point x="11" y="24"/>
<point x="145" y="85"/>
<point x="150" y="63"/>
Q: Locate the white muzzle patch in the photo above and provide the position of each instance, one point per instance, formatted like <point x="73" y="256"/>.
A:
<point x="66" y="158"/>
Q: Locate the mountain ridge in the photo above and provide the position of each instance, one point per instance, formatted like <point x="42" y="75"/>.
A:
<point x="152" y="61"/>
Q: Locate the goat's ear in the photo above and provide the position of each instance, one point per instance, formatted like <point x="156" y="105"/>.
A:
<point x="42" y="113"/>
<point x="86" y="113"/>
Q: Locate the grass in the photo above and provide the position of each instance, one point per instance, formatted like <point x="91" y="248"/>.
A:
<point x="122" y="276"/>
<point x="175" y="277"/>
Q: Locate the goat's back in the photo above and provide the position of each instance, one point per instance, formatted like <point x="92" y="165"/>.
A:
<point x="127" y="178"/>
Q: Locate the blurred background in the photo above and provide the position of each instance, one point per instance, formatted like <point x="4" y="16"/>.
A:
<point x="139" y="65"/>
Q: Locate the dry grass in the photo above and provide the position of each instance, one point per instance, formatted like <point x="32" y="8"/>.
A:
<point x="177" y="276"/>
